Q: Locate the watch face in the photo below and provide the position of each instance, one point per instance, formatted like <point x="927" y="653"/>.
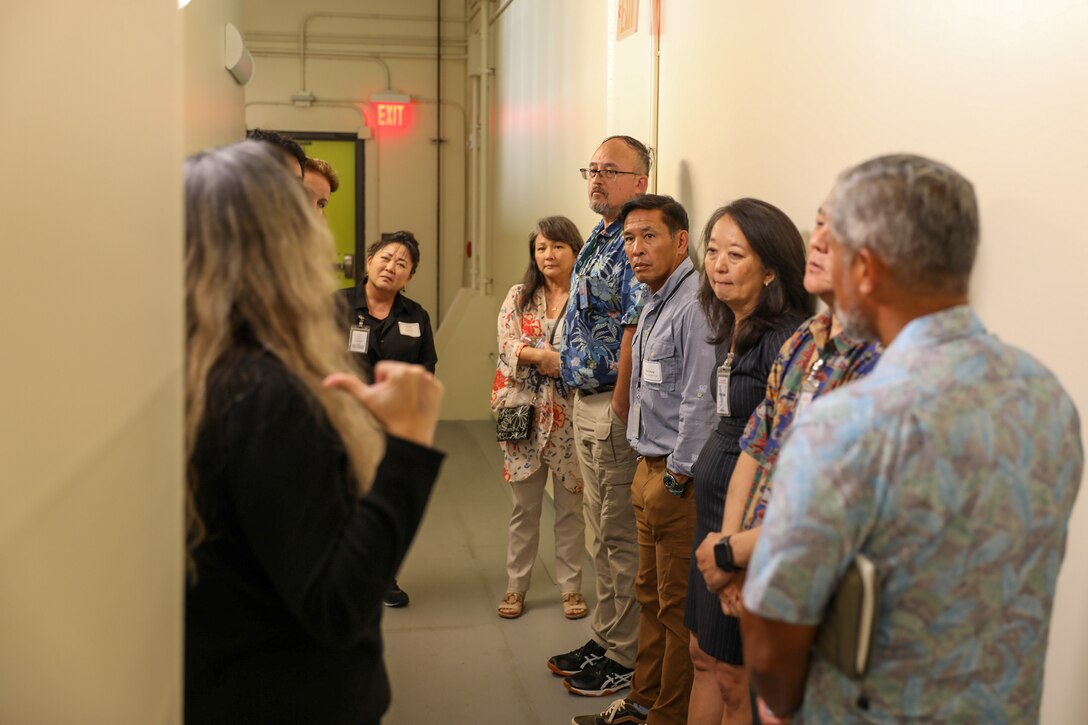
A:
<point x="723" y="556"/>
<point x="672" y="485"/>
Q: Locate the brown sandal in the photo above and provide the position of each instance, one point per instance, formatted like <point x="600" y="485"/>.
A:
<point x="574" y="606"/>
<point x="512" y="605"/>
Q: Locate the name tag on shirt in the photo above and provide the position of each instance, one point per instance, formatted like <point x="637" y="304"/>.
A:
<point x="802" y="402"/>
<point x="651" y="371"/>
<point x="409" y="329"/>
<point x="359" y="339"/>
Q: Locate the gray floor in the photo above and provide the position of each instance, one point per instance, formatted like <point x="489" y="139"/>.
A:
<point x="451" y="658"/>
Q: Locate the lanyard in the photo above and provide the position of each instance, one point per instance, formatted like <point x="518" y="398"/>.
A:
<point x="657" y="316"/>
<point x="558" y="319"/>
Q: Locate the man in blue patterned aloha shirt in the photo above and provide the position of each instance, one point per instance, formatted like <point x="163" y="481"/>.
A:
<point x="595" y="360"/>
<point x="953" y="467"/>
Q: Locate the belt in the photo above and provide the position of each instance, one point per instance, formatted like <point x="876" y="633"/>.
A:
<point x="654" y="459"/>
<point x="595" y="391"/>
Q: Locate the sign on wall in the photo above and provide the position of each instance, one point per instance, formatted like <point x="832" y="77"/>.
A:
<point x="627" y="19"/>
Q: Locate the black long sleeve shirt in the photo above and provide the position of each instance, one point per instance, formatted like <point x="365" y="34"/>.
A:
<point x="282" y="624"/>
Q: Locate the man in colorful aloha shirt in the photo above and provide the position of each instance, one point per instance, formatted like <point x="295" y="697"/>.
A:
<point x="595" y="360"/>
<point x="953" y="467"/>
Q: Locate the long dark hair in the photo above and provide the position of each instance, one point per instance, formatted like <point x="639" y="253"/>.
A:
<point x="778" y="245"/>
<point x="557" y="229"/>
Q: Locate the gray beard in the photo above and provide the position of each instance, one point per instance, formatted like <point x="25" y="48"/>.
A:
<point x="854" y="325"/>
<point x="600" y="207"/>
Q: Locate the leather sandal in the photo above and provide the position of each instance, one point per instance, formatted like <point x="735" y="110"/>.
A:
<point x="512" y="605"/>
<point x="574" y="606"/>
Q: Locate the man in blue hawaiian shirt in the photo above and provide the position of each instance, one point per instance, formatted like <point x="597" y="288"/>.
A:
<point x="595" y="360"/>
<point x="953" y="467"/>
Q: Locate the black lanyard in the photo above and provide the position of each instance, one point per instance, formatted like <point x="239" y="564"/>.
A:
<point x="646" y="334"/>
<point x="558" y="319"/>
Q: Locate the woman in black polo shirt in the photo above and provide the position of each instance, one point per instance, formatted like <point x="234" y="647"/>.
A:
<point x="386" y="325"/>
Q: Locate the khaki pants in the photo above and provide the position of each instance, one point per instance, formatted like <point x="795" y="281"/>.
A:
<point x="666" y="529"/>
<point x="608" y="465"/>
<point x="570" y="541"/>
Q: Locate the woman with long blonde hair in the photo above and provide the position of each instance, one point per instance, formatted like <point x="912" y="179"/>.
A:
<point x="305" y="485"/>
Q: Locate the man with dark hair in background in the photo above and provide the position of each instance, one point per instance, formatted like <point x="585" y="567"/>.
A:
<point x="671" y="414"/>
<point x="292" y="152"/>
<point x="595" y="359"/>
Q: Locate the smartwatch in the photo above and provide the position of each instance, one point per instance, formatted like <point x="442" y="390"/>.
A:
<point x="723" y="556"/>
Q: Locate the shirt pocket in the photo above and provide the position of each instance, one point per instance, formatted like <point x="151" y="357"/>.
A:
<point x="661" y="366"/>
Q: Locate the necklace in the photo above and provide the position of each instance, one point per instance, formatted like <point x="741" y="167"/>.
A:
<point x="558" y="302"/>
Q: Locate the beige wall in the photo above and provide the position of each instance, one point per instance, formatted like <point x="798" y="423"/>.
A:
<point x="401" y="188"/>
<point x="90" y="527"/>
<point x="773" y="99"/>
<point x="213" y="113"/>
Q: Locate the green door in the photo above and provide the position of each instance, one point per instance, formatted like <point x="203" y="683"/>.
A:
<point x="344" y="152"/>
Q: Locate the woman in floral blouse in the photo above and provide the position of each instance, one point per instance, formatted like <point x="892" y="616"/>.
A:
<point x="528" y="374"/>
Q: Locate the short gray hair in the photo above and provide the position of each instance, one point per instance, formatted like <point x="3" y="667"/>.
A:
<point x="919" y="215"/>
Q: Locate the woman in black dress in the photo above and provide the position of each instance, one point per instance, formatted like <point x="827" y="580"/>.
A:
<point x="754" y="298"/>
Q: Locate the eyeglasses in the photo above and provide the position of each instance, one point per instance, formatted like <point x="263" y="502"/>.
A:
<point x="609" y="174"/>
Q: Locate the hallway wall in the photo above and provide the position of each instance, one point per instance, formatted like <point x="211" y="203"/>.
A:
<point x="91" y="532"/>
<point x="774" y="99"/>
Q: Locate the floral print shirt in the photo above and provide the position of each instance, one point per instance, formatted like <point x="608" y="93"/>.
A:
<point x="953" y="466"/>
<point x="552" y="440"/>
<point x="605" y="297"/>
<point x="831" y="363"/>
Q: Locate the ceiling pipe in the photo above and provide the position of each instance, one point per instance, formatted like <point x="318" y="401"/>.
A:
<point x="351" y="16"/>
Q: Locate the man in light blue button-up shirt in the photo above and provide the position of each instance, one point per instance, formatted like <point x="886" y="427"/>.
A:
<point x="671" y="415"/>
<point x="952" y="469"/>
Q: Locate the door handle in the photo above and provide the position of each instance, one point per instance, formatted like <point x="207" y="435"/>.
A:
<point x="347" y="266"/>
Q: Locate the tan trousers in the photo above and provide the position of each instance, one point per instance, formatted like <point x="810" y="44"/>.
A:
<point x="608" y="465"/>
<point x="666" y="529"/>
<point x="524" y="541"/>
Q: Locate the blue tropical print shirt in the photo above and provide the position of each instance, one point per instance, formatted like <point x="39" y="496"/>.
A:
<point x="604" y="298"/>
<point x="953" y="467"/>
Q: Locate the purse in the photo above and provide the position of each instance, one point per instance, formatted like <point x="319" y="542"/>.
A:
<point x="515" y="423"/>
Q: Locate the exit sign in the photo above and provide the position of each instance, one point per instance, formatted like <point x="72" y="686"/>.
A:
<point x="391" y="114"/>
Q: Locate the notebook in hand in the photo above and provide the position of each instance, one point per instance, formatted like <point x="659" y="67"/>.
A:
<point x="845" y="636"/>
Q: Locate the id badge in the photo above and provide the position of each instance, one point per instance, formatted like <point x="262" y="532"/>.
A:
<point x="636" y="414"/>
<point x="359" y="339"/>
<point x="809" y="387"/>
<point x="583" y="294"/>
<point x="723" y="392"/>
<point x="802" y="402"/>
<point x="724" y="373"/>
<point x="651" y="371"/>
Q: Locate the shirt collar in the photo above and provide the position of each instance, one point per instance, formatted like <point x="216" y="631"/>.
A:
<point x="936" y="329"/>
<point x="674" y="279"/>
<point x="820" y="329"/>
<point x="360" y="299"/>
<point x="604" y="230"/>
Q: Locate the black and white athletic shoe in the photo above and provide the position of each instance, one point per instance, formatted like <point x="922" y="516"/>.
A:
<point x="620" y="712"/>
<point x="604" y="677"/>
<point x="573" y="662"/>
